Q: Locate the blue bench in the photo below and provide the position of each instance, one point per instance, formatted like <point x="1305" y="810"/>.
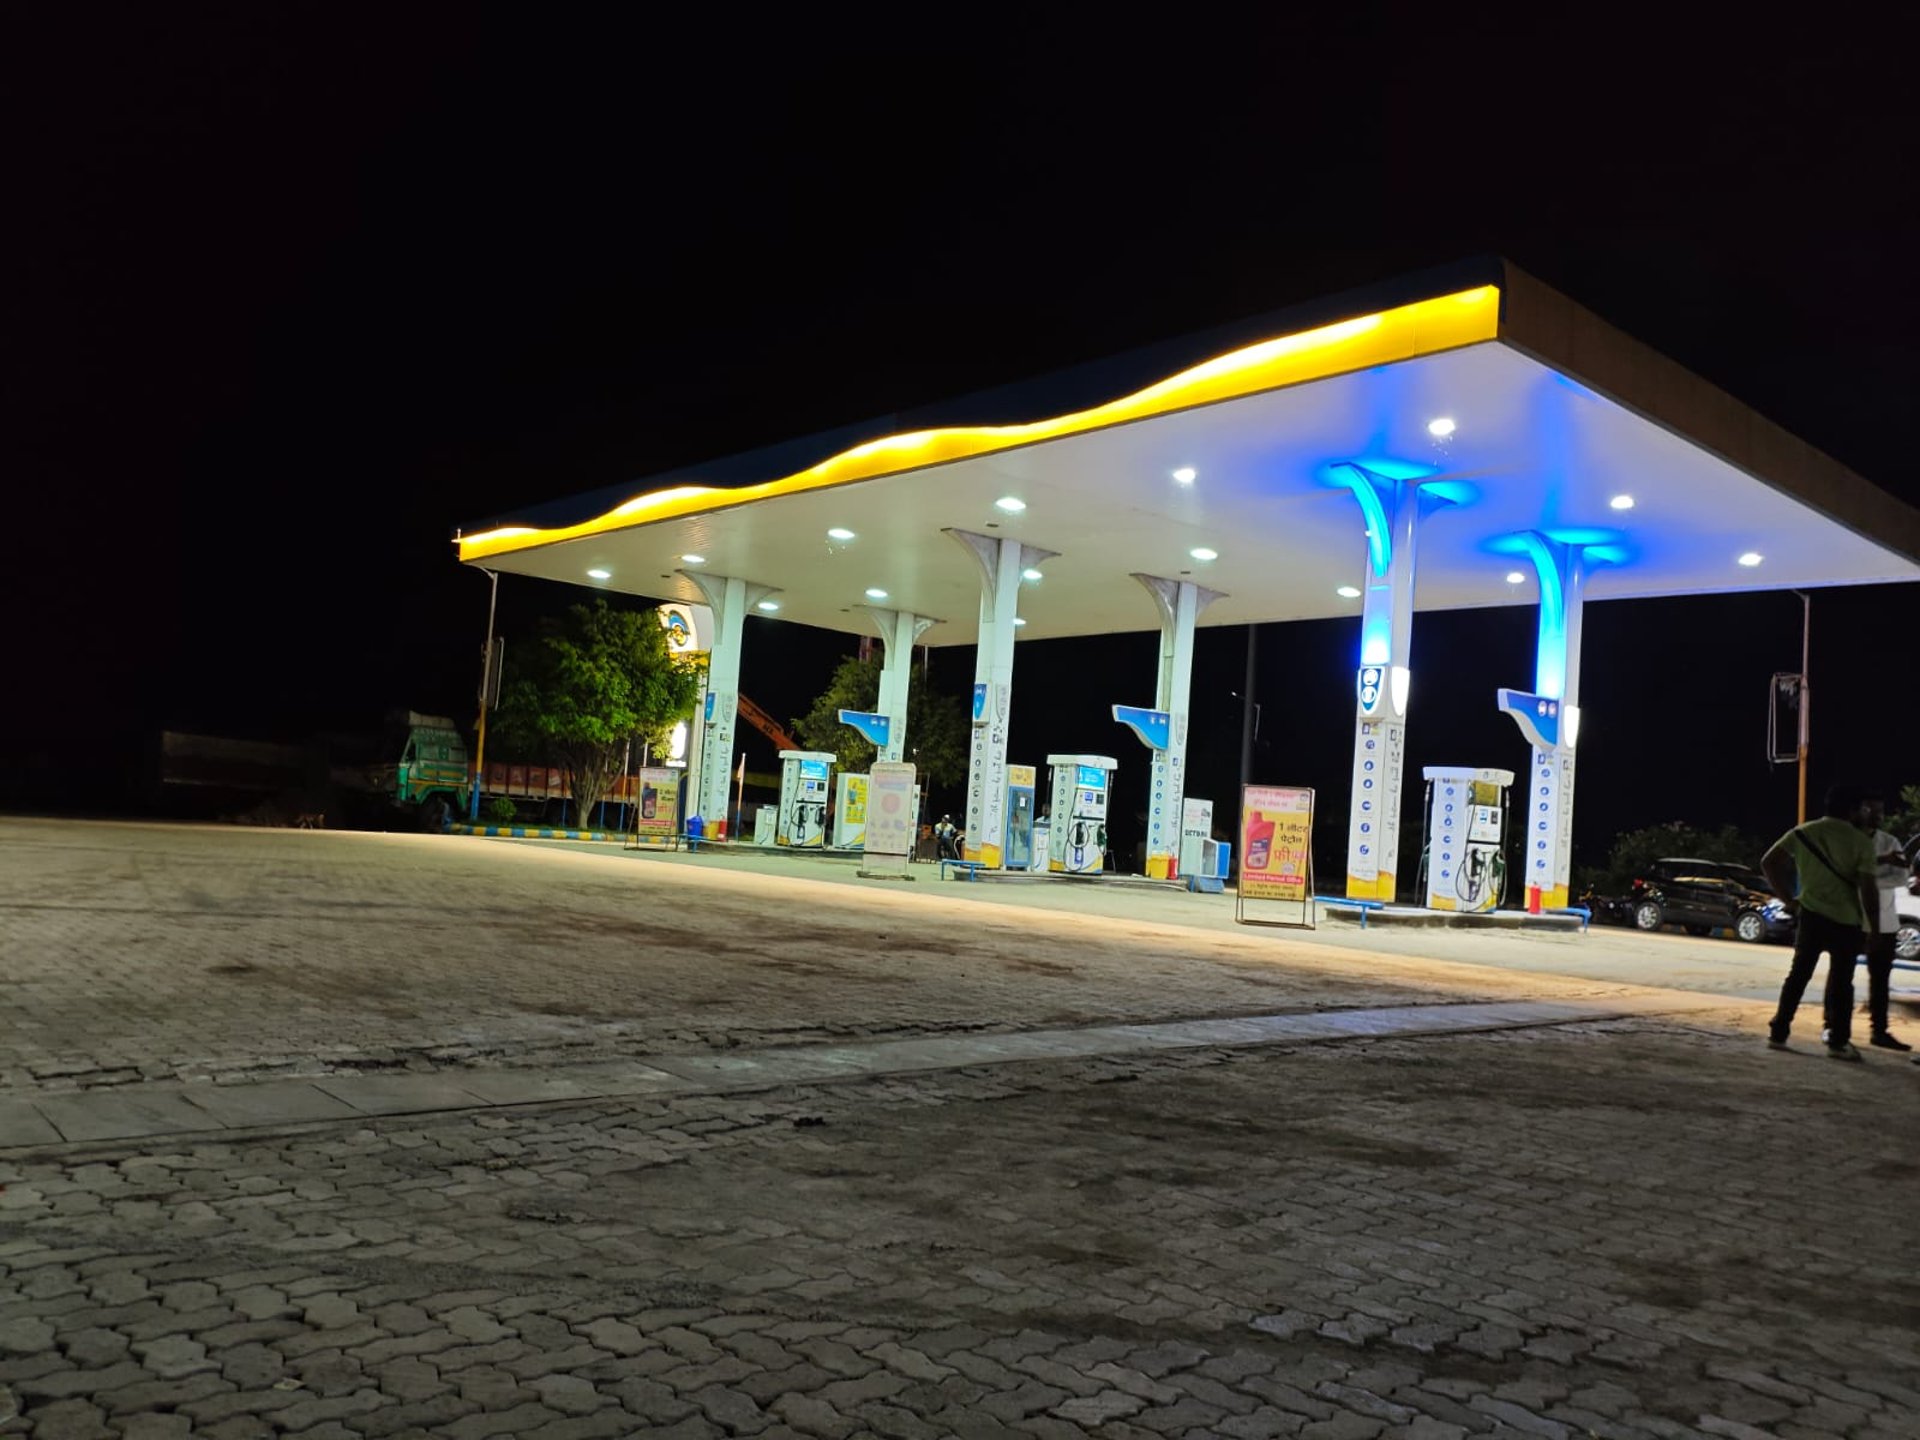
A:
<point x="1338" y="902"/>
<point x="971" y="867"/>
<point x="1586" y="915"/>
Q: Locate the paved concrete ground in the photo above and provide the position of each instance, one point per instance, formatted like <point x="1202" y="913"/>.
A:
<point x="152" y="952"/>
<point x="1649" y="1226"/>
<point x="144" y="1112"/>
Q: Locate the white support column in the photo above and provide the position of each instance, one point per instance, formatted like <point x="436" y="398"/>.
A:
<point x="730" y="597"/>
<point x="900" y="631"/>
<point x="1001" y="562"/>
<point x="1180" y="603"/>
<point x="1393" y="509"/>
<point x="1549" y="716"/>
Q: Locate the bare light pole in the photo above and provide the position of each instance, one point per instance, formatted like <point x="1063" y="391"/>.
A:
<point x="1806" y="692"/>
<point x="487" y="677"/>
<point x="1249" y="720"/>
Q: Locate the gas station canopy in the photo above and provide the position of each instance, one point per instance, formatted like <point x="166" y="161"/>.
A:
<point x="1233" y="459"/>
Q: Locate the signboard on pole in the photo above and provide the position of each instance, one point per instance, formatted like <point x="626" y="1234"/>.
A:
<point x="877" y="728"/>
<point x="890" y="817"/>
<point x="689" y="628"/>
<point x="1276" y="855"/>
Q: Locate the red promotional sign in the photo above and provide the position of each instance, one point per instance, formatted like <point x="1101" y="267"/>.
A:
<point x="1276" y="849"/>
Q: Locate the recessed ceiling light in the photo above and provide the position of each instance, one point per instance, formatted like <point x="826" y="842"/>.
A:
<point x="1751" y="558"/>
<point x="1621" y="502"/>
<point x="598" y="574"/>
<point x="769" y="605"/>
<point x="693" y="559"/>
<point x="1440" y="427"/>
<point x="1012" y="504"/>
<point x="874" y="592"/>
<point x="1516" y="577"/>
<point x="1031" y="574"/>
<point x="839" y="532"/>
<point x="1019" y="619"/>
<point x="1347" y="592"/>
<point x="1201" y="552"/>
<point x="1186" y="474"/>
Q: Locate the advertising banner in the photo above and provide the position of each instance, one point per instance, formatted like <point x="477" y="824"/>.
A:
<point x="657" y="814"/>
<point x="850" y="813"/>
<point x="1276" y="853"/>
<point x="890" y="817"/>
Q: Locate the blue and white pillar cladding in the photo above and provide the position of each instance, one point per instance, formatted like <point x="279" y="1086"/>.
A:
<point x="1549" y="716"/>
<point x="1393" y="509"/>
<point x="730" y="598"/>
<point x="1001" y="562"/>
<point x="900" y="631"/>
<point x="1180" y="603"/>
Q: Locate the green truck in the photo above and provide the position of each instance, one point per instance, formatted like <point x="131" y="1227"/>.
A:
<point x="432" y="776"/>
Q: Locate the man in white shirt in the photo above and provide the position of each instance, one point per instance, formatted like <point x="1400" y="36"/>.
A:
<point x="1890" y="874"/>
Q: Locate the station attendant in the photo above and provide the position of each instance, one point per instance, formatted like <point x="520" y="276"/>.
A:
<point x="1891" y="869"/>
<point x="1838" y="905"/>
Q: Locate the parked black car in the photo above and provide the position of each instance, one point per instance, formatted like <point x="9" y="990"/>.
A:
<point x="1707" y="895"/>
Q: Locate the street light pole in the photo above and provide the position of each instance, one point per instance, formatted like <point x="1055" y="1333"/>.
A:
<point x="486" y="682"/>
<point x="1249" y="720"/>
<point x="1806" y="695"/>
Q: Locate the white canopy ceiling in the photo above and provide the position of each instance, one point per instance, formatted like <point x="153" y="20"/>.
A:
<point x="1529" y="447"/>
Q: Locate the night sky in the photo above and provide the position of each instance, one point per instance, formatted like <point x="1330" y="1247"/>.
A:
<point x="297" y="290"/>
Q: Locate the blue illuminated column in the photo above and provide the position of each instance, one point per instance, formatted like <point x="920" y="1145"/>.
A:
<point x="900" y="631"/>
<point x="1165" y="732"/>
<point x="1001" y="562"/>
<point x="730" y="598"/>
<point x="1393" y="509"/>
<point x="1549" y="716"/>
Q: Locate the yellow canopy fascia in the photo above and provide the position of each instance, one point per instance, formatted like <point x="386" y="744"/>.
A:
<point x="1406" y="332"/>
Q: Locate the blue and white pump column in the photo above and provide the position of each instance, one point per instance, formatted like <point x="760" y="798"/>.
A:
<point x="1393" y="509"/>
<point x="1163" y="729"/>
<point x="730" y="598"/>
<point x="1001" y="561"/>
<point x="886" y="727"/>
<point x="1549" y="716"/>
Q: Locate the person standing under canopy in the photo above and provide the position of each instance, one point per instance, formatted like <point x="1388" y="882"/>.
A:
<point x="1837" y="901"/>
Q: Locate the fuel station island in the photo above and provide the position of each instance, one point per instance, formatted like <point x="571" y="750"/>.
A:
<point x="1459" y="439"/>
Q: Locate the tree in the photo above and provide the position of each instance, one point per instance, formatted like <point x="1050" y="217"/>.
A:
<point x="937" y="726"/>
<point x="590" y="683"/>
<point x="1903" y="813"/>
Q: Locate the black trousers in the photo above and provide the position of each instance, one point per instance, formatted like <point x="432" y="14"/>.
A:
<point x="1879" y="979"/>
<point x="1841" y="944"/>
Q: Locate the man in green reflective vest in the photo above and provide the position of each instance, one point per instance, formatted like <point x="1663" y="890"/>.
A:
<point x="1838" y="904"/>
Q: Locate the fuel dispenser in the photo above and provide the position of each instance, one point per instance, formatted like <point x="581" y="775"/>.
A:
<point x="803" y="798"/>
<point x="1077" y="826"/>
<point x="1466" y="830"/>
<point x="1021" y="810"/>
